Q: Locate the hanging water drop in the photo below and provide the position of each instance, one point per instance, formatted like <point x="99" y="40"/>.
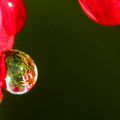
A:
<point x="21" y="72"/>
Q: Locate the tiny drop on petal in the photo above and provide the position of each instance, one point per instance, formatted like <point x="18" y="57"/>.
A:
<point x="21" y="72"/>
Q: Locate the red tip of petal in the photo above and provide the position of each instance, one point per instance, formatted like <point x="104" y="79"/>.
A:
<point x="1" y="96"/>
<point x="104" y="12"/>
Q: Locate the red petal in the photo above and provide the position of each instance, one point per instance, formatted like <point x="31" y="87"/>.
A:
<point x="6" y="41"/>
<point x="104" y="12"/>
<point x="2" y="75"/>
<point x="14" y="15"/>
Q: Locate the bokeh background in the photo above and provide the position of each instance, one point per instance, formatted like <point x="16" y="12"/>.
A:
<point x="78" y="63"/>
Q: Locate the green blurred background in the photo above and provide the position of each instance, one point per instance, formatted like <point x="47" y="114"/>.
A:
<point x="78" y="63"/>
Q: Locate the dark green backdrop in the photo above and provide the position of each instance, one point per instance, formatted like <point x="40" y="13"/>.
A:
<point x="78" y="63"/>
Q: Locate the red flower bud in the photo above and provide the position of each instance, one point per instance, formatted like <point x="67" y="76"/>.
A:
<point x="104" y="12"/>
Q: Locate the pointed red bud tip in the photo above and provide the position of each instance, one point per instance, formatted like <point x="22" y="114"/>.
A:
<point x="104" y="12"/>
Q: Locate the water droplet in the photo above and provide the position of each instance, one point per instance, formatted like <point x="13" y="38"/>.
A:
<point x="21" y="72"/>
